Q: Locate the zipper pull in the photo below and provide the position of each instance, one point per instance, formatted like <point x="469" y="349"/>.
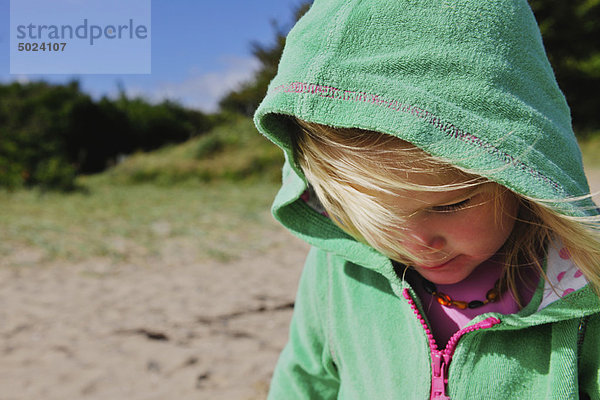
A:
<point x="439" y="379"/>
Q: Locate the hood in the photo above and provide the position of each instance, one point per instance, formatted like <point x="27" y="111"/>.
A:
<point x="467" y="81"/>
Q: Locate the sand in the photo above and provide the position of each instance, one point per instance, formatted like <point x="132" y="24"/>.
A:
<point x="164" y="330"/>
<point x="169" y="328"/>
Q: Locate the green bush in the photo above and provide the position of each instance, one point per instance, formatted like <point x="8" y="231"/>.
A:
<point x="233" y="151"/>
<point x="55" y="173"/>
<point x="210" y="146"/>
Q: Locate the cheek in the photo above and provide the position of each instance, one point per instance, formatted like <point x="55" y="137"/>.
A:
<point x="472" y="231"/>
<point x="506" y="219"/>
<point x="481" y="231"/>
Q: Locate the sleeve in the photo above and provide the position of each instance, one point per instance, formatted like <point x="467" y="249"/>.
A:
<point x="305" y="369"/>
<point x="589" y="373"/>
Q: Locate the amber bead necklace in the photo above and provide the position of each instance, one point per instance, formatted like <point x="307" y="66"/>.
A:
<point x="491" y="296"/>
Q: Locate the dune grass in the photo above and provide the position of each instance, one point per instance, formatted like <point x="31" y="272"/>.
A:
<point x="590" y="148"/>
<point x="211" y="194"/>
<point x="134" y="222"/>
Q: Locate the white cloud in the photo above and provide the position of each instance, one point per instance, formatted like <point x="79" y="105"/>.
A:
<point x="200" y="89"/>
<point x="203" y="90"/>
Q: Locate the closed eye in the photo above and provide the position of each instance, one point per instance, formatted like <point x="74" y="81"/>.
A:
<point x="452" y="207"/>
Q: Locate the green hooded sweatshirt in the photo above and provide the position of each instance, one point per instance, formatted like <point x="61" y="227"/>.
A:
<point x="467" y="81"/>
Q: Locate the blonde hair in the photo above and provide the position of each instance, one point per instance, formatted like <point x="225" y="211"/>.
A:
<point x="349" y="169"/>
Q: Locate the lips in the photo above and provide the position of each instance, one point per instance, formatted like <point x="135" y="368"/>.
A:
<point x="438" y="266"/>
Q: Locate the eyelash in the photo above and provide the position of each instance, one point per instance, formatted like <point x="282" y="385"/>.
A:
<point x="452" y="207"/>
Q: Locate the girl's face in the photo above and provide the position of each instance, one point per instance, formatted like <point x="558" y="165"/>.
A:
<point x="449" y="233"/>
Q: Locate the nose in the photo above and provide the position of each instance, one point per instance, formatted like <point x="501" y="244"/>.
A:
<point x="421" y="240"/>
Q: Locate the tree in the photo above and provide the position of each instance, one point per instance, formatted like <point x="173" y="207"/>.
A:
<point x="50" y="133"/>
<point x="571" y="32"/>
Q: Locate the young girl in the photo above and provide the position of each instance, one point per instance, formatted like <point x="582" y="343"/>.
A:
<point x="432" y="165"/>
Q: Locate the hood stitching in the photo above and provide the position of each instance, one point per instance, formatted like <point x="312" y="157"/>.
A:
<point x="447" y="128"/>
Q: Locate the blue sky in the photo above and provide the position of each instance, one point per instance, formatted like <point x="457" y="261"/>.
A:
<point x="200" y="50"/>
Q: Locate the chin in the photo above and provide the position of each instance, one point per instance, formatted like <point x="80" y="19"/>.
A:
<point x="445" y="280"/>
<point x="444" y="277"/>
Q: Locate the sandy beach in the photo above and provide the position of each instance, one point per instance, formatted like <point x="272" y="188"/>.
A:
<point x="168" y="328"/>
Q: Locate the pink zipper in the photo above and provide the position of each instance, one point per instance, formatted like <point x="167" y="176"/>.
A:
<point x="440" y="359"/>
